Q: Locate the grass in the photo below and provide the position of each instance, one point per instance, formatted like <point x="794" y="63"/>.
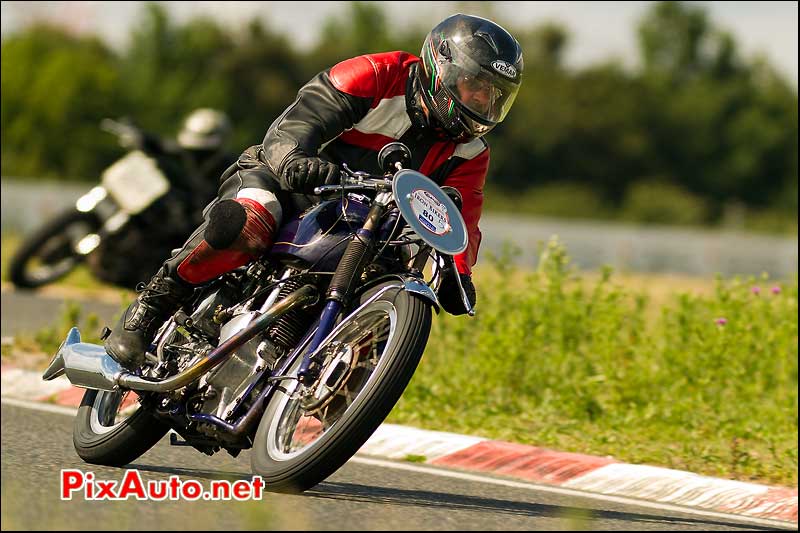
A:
<point x="683" y="373"/>
<point x="33" y="350"/>
<point x="704" y="381"/>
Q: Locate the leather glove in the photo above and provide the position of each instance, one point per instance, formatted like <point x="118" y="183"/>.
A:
<point x="305" y="173"/>
<point x="450" y="296"/>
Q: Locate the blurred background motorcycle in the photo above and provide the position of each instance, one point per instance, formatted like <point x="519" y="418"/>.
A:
<point x="146" y="204"/>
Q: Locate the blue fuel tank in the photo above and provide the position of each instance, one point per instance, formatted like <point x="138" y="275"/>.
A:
<point x="319" y="236"/>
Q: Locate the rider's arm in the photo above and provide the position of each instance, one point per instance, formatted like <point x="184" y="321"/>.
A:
<point x="332" y="102"/>
<point x="321" y="112"/>
<point x="154" y="145"/>
<point x="469" y="178"/>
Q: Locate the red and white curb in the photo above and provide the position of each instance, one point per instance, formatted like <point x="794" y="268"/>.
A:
<point x="597" y="475"/>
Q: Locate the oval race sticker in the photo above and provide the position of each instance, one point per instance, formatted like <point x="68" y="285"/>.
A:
<point x="430" y="212"/>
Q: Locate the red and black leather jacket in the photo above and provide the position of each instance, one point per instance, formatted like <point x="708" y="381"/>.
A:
<point x="348" y="113"/>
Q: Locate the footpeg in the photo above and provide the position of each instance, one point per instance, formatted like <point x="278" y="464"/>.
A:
<point x="174" y="440"/>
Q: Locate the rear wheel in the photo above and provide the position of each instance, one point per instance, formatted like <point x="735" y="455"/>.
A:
<point x="112" y="428"/>
<point x="307" y="433"/>
<point x="50" y="252"/>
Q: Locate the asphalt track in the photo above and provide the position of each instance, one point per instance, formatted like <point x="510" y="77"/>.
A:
<point x="36" y="445"/>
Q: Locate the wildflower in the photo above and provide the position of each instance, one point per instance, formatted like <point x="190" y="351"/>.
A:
<point x="756" y="290"/>
<point x="776" y="290"/>
<point x="721" y="321"/>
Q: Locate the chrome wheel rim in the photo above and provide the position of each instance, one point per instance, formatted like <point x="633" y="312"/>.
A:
<point x="110" y="410"/>
<point x="303" y="416"/>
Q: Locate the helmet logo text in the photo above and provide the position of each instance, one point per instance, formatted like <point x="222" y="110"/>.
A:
<point x="506" y="69"/>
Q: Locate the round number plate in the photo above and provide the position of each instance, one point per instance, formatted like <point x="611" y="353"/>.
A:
<point x="430" y="212"/>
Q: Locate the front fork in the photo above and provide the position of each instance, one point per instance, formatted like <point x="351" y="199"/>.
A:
<point x="348" y="272"/>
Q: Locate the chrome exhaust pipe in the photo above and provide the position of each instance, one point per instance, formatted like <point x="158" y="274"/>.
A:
<point x="85" y="365"/>
<point x="90" y="367"/>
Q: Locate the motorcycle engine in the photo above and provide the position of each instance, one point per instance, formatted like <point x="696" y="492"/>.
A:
<point x="228" y="385"/>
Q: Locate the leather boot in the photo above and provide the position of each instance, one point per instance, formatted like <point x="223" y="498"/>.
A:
<point x="134" y="332"/>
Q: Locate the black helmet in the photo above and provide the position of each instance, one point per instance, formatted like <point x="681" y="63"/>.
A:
<point x="470" y="73"/>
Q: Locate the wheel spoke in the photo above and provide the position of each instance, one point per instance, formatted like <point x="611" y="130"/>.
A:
<point x="365" y="365"/>
<point x="348" y="398"/>
<point x="288" y="428"/>
<point x="305" y="415"/>
<point x="324" y="417"/>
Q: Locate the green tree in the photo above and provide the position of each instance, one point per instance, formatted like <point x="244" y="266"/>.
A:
<point x="56" y="88"/>
<point x="697" y="123"/>
<point x="363" y="28"/>
<point x="169" y="70"/>
<point x="723" y="128"/>
<point x="263" y="73"/>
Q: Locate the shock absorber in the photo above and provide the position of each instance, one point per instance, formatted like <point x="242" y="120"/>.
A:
<point x="357" y="253"/>
<point x="289" y="329"/>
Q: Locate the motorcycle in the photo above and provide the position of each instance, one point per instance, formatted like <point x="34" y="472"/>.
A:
<point x="122" y="228"/>
<point x="299" y="355"/>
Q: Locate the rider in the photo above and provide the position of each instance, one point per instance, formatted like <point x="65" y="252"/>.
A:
<point x="202" y="139"/>
<point x="440" y="105"/>
<point x="194" y="159"/>
<point x="197" y="156"/>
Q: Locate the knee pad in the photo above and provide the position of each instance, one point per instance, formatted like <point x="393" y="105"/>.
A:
<point x="238" y="231"/>
<point x="225" y="223"/>
<point x="240" y="223"/>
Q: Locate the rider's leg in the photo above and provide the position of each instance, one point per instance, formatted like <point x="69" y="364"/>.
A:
<point x="239" y="226"/>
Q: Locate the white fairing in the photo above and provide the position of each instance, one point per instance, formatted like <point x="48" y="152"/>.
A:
<point x="135" y="182"/>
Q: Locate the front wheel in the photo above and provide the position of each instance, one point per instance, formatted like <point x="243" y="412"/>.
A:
<point x="307" y="433"/>
<point x="50" y="253"/>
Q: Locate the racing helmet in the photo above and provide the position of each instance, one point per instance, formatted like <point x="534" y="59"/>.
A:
<point x="469" y="75"/>
<point x="204" y="129"/>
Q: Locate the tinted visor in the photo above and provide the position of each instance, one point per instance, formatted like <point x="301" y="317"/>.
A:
<point x="487" y="94"/>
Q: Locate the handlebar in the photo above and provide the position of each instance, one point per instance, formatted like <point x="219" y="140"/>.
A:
<point x="120" y="129"/>
<point x="356" y="181"/>
<point x="322" y="189"/>
<point x="131" y="137"/>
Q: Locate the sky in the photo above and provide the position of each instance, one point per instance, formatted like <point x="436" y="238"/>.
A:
<point x="599" y="30"/>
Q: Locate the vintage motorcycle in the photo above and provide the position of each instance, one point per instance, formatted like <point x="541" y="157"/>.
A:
<point x="123" y="227"/>
<point x="299" y="355"/>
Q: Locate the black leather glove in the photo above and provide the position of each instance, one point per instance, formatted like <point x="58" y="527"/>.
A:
<point x="449" y="295"/>
<point x="305" y="173"/>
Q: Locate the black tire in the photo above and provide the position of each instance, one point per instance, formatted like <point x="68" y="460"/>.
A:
<point x="400" y="356"/>
<point x="119" y="446"/>
<point x="54" y="245"/>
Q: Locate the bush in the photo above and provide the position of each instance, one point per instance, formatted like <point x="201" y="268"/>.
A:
<point x="659" y="202"/>
<point x="565" y="199"/>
